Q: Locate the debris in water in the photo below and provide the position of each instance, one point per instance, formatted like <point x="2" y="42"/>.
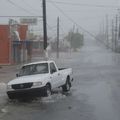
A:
<point x="69" y="107"/>
<point x="3" y="110"/>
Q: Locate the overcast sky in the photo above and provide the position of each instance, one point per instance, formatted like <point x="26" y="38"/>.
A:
<point x="87" y="13"/>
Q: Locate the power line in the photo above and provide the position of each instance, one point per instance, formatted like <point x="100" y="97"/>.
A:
<point x="20" y="16"/>
<point x="51" y="27"/>
<point x="87" y="5"/>
<point x="18" y="6"/>
<point x="70" y="19"/>
<point x="30" y="6"/>
<point x="62" y="29"/>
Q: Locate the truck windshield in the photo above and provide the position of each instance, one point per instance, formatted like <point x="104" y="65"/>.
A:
<point x="33" y="69"/>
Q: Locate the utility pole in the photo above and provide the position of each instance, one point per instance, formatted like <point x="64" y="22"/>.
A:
<point x="112" y="35"/>
<point x="71" y="38"/>
<point x="58" y="37"/>
<point x="107" y="36"/>
<point x="103" y="33"/>
<point x="44" y="24"/>
<point x="116" y="30"/>
<point x="100" y="33"/>
<point x="118" y="41"/>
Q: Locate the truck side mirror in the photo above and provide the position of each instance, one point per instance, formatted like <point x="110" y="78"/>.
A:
<point x="17" y="75"/>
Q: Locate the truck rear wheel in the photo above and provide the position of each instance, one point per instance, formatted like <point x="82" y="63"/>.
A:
<point x="67" y="86"/>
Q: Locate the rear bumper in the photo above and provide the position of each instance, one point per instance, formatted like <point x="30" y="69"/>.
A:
<point x="25" y="93"/>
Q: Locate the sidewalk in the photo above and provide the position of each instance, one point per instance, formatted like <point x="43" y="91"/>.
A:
<point x="7" y="73"/>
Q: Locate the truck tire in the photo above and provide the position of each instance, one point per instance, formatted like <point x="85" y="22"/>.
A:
<point x="48" y="90"/>
<point x="10" y="96"/>
<point x="67" y="86"/>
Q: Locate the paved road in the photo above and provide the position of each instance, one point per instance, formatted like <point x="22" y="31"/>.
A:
<point x="94" y="96"/>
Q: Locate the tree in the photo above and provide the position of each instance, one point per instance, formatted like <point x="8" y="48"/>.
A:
<point x="76" y="39"/>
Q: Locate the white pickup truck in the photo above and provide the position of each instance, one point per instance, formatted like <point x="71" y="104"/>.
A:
<point x="39" y="79"/>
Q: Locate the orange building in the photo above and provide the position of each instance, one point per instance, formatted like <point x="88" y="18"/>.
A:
<point x="5" y="44"/>
<point x="13" y="51"/>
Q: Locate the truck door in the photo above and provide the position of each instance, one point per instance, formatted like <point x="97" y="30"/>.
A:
<point x="55" y="77"/>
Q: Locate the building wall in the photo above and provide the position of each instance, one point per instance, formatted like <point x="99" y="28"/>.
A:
<point x="23" y="31"/>
<point x="4" y="44"/>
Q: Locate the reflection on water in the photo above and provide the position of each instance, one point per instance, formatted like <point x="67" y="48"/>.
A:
<point x="42" y="103"/>
<point x="55" y="97"/>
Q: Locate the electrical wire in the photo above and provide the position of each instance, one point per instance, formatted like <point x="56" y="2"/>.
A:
<point x="70" y="19"/>
<point x="30" y="6"/>
<point x="51" y="28"/>
<point x="62" y="29"/>
<point x="18" y="6"/>
<point x="87" y="5"/>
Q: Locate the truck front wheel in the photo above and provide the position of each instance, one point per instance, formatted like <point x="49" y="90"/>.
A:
<point x="10" y="96"/>
<point x="48" y="90"/>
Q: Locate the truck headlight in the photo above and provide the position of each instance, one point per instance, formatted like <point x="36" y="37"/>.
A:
<point x="37" y="83"/>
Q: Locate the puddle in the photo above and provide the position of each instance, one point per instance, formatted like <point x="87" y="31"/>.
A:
<point x="3" y="87"/>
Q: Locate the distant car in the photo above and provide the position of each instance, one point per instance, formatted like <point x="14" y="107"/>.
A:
<point x="39" y="79"/>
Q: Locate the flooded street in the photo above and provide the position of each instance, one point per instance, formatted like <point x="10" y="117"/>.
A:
<point x="94" y="96"/>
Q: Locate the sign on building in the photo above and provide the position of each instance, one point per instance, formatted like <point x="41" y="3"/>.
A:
<point x="28" y="21"/>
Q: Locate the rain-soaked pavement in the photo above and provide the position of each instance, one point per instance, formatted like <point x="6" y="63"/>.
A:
<point x="95" y="94"/>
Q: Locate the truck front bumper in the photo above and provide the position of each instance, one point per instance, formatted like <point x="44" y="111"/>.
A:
<point x="27" y="93"/>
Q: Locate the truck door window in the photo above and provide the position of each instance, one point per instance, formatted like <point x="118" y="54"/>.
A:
<point x="42" y="68"/>
<point x="52" y="68"/>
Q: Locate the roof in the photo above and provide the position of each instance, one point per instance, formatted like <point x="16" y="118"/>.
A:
<point x="47" y="61"/>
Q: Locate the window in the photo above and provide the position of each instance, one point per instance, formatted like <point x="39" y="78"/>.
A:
<point x="52" y="68"/>
<point x="42" y="68"/>
<point x="34" y="69"/>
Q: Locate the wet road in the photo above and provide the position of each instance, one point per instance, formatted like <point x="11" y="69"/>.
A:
<point x="94" y="96"/>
